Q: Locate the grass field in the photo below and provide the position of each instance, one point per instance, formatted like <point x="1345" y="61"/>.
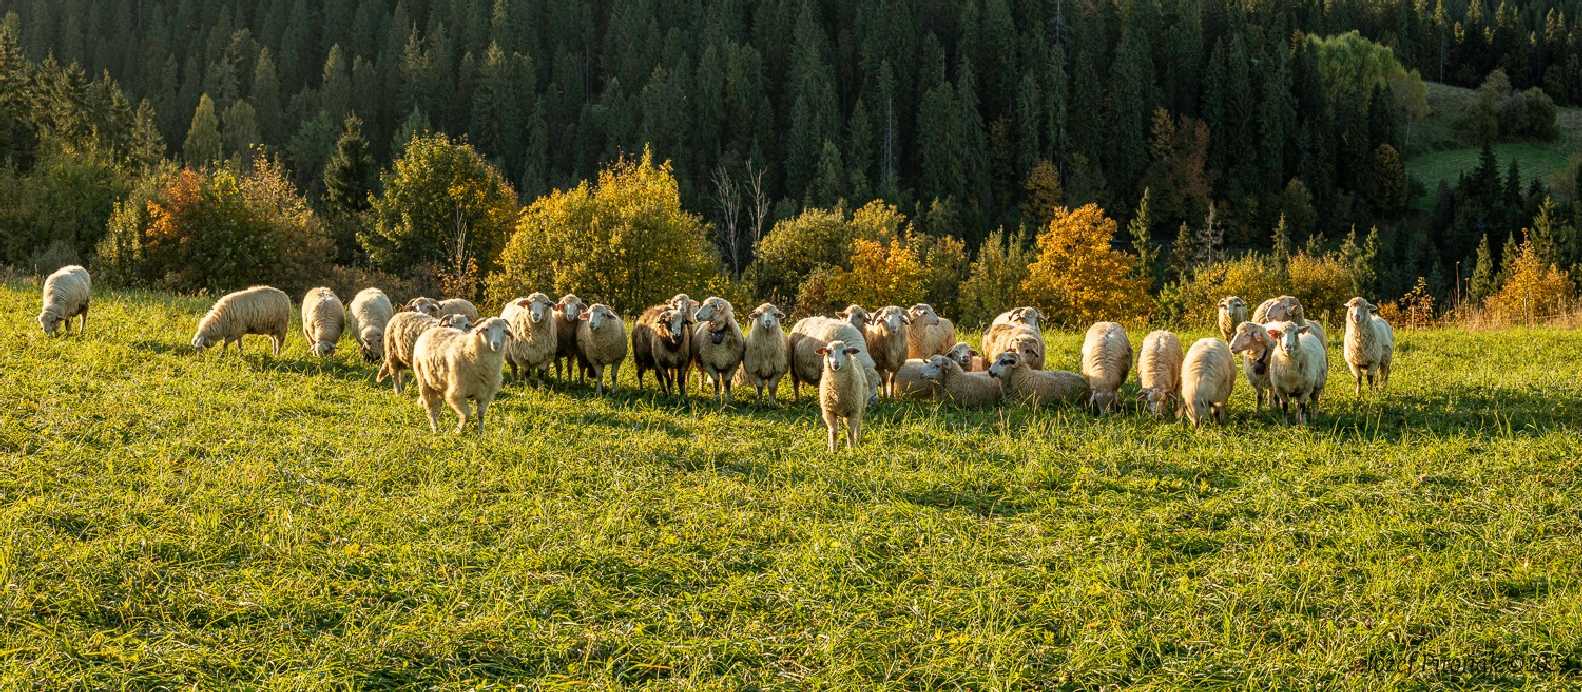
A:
<point x="1440" y="152"/>
<point x="180" y="520"/>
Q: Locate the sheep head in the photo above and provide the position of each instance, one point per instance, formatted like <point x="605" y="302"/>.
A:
<point x="598" y="315"/>
<point x="426" y="306"/>
<point x="923" y="315"/>
<point x="892" y="316"/>
<point x="1003" y="366"/>
<point x="539" y="307"/>
<point x="1027" y="315"/>
<point x="570" y="307"/>
<point x="837" y="355"/>
<point x="1251" y="338"/>
<point x="767" y="316"/>
<point x="49" y="321"/>
<point x="493" y="333"/>
<point x="713" y="309"/>
<point x="1157" y="400"/>
<point x="372" y="343"/>
<point x="1358" y="310"/>
<point x="1287" y="336"/>
<point x="962" y="353"/>
<point x="855" y="314"/>
<point x="457" y="322"/>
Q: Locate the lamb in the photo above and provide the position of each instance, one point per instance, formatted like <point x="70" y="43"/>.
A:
<point x="1297" y="368"/>
<point x="1369" y="344"/>
<point x="323" y="319"/>
<point x="461" y="367"/>
<point x="66" y="295"/>
<point x="718" y="344"/>
<point x="662" y="341"/>
<point x="1037" y="387"/>
<point x="533" y="323"/>
<point x="929" y="334"/>
<point x="568" y="312"/>
<point x="1232" y="312"/>
<point x="1015" y="337"/>
<point x="400" y="341"/>
<point x="1207" y="378"/>
<point x="764" y="352"/>
<point x="886" y="333"/>
<point x="974" y="389"/>
<point x="601" y="343"/>
<point x="964" y="355"/>
<point x="1159" y="372"/>
<point x="366" y="319"/>
<point x="843" y="391"/>
<point x="812" y="333"/>
<point x="1106" y="360"/>
<point x="261" y="310"/>
<point x="1253" y="342"/>
<point x="1025" y="315"/>
<point x="458" y="306"/>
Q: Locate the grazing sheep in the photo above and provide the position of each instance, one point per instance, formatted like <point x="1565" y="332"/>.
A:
<point x="1232" y="312"/>
<point x="1015" y="337"/>
<point x="718" y="344"/>
<point x="764" y="353"/>
<point x="1207" y="377"/>
<point x="842" y="391"/>
<point x="66" y="295"/>
<point x="422" y="306"/>
<point x="460" y="367"/>
<point x="812" y="333"/>
<point x="1253" y="342"/>
<point x="533" y="323"/>
<point x="1025" y="315"/>
<point x="1037" y="387"/>
<point x="1106" y="360"/>
<point x="458" y="306"/>
<point x="568" y="312"/>
<point x="1159" y="372"/>
<point x="928" y="334"/>
<point x="662" y="342"/>
<point x="972" y="389"/>
<point x="1369" y="346"/>
<point x="370" y="311"/>
<point x="885" y="333"/>
<point x="323" y="319"/>
<point x="262" y="310"/>
<point x="1297" y="369"/>
<point x="601" y="343"/>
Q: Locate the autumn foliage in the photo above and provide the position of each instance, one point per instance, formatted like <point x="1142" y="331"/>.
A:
<point x="1534" y="291"/>
<point x="1078" y="277"/>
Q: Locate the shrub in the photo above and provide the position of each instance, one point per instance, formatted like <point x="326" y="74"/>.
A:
<point x="816" y="239"/>
<point x="883" y="272"/>
<point x="57" y="212"/>
<point x="1079" y="278"/>
<point x="1323" y="282"/>
<point x="1534" y="292"/>
<point x="994" y="283"/>
<point x="1195" y="301"/>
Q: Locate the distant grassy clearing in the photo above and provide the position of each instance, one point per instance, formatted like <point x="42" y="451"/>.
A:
<point x="171" y="519"/>
<point x="1438" y="151"/>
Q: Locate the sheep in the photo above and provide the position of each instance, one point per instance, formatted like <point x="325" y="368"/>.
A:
<point x="323" y="319"/>
<point x="1037" y="387"/>
<point x="1253" y="342"/>
<point x="1297" y="368"/>
<point x="1232" y="312"/>
<point x="1106" y="361"/>
<point x="1207" y="378"/>
<point x="917" y="378"/>
<point x="886" y="333"/>
<point x="261" y="310"/>
<point x="460" y="366"/>
<point x="1017" y="337"/>
<point x="843" y="391"/>
<point x="1287" y="308"/>
<point x="366" y="319"/>
<point x="533" y="323"/>
<point x="764" y="351"/>
<point x="601" y="343"/>
<point x="458" y="306"/>
<point x="568" y="312"/>
<point x="662" y="342"/>
<point x="975" y="389"/>
<point x="1159" y="372"/>
<point x="929" y="334"/>
<point x="718" y="344"/>
<point x="1369" y="345"/>
<point x="812" y="333"/>
<point x="401" y="335"/>
<point x="66" y="295"/>
<point x="422" y="306"/>
<point x="1025" y="315"/>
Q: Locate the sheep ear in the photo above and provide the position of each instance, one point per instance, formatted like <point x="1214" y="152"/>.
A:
<point x="1276" y="334"/>
<point x="822" y="351"/>
<point x="972" y="353"/>
<point x="1373" y="309"/>
<point x="1303" y="329"/>
<point x="583" y="317"/>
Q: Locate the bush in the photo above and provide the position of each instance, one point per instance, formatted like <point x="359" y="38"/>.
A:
<point x="883" y="272"/>
<point x="57" y="212"/>
<point x="1534" y="292"/>
<point x="994" y="283"/>
<point x="816" y="239"/>
<point x="1194" y="302"/>
<point x="1079" y="278"/>
<point x="624" y="240"/>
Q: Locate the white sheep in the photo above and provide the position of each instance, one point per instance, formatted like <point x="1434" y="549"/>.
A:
<point x="323" y="320"/>
<point x="66" y="295"/>
<point x="1159" y="372"/>
<point x="917" y="378"/>
<point x="973" y="389"/>
<point x="533" y="323"/>
<point x="662" y="342"/>
<point x="886" y="334"/>
<point x="1232" y="312"/>
<point x="366" y="318"/>
<point x="261" y="310"/>
<point x="812" y="333"/>
<point x="568" y="312"/>
<point x="1253" y="343"/>
<point x="1037" y="387"/>
<point x="1369" y="345"/>
<point x="400" y="342"/>
<point x="964" y="354"/>
<point x="764" y="353"/>
<point x="460" y="367"/>
<point x="718" y="344"/>
<point x="422" y="306"/>
<point x="1287" y="309"/>
<point x="1208" y="376"/>
<point x="858" y="316"/>
<point x="1015" y="337"/>
<point x="843" y="392"/>
<point x="1106" y="361"/>
<point x="601" y="343"/>
<point x="1298" y="368"/>
<point x="928" y="334"/>
<point x="1026" y="315"/>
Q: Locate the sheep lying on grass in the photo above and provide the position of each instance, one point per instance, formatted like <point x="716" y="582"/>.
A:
<point x="533" y="322"/>
<point x="1369" y="345"/>
<point x="66" y="295"/>
<point x="462" y="367"/>
<point x="366" y="319"/>
<point x="1159" y="372"/>
<point x="1207" y="377"/>
<point x="972" y="389"/>
<point x="601" y="343"/>
<point x="261" y="310"/>
<point x="1037" y="387"/>
<point x="1106" y="360"/>
<point x="323" y="320"/>
<point x="1018" y="338"/>
<point x="843" y="391"/>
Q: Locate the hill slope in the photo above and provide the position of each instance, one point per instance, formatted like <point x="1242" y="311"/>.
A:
<point x="1442" y="153"/>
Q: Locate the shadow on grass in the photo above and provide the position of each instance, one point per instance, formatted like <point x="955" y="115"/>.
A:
<point x="1484" y="412"/>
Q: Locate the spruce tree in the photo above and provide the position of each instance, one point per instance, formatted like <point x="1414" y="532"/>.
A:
<point x="1140" y="231"/>
<point x="203" y="144"/>
<point x="350" y="172"/>
<point x="1482" y="284"/>
<point x="265" y="95"/>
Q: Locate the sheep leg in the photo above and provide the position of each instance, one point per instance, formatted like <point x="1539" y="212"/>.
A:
<point x="831" y="425"/>
<point x="82" y="327"/>
<point x="615" y="369"/>
<point x="458" y="403"/>
<point x="681" y="379"/>
<point x="598" y="379"/>
<point x="482" y="406"/>
<point x="853" y="432"/>
<point x="430" y="399"/>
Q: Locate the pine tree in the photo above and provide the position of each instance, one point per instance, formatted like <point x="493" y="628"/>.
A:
<point x="1139" y="230"/>
<point x="827" y="188"/>
<point x="1280" y="245"/>
<point x="147" y="145"/>
<point x="1482" y="284"/>
<point x="265" y="96"/>
<point x="203" y="144"/>
<point x="335" y="94"/>
<point x="239" y="131"/>
<point x="350" y="172"/>
<point x="1182" y="252"/>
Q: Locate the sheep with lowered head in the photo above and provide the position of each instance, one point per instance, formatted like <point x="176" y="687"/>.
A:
<point x="718" y="344"/>
<point x="366" y="319"/>
<point x="461" y="367"/>
<point x="1106" y="361"/>
<point x="1207" y="377"/>
<point x="66" y="295"/>
<point x="400" y="341"/>
<point x="1159" y="372"/>
<point x="928" y="334"/>
<point x="601" y="343"/>
<point x="568" y="312"/>
<point x="1287" y="309"/>
<point x="1016" y="337"/>
<point x="533" y="323"/>
<point x="1253" y="343"/>
<point x="323" y="320"/>
<point x="261" y="310"/>
<point x="1298" y="368"/>
<point x="662" y="342"/>
<point x="812" y="333"/>
<point x="843" y="391"/>
<point x="764" y="352"/>
<point x="1037" y="387"/>
<point x="1370" y="344"/>
<point x="885" y="333"/>
<point x="1232" y="312"/>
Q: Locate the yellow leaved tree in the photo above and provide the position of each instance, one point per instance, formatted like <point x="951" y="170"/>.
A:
<point x="1534" y="292"/>
<point x="1079" y="278"/>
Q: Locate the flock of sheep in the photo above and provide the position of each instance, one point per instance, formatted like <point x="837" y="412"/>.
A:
<point x="458" y="357"/>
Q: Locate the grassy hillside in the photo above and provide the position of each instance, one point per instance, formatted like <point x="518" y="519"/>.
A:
<point x="174" y="519"/>
<point x="1440" y="152"/>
